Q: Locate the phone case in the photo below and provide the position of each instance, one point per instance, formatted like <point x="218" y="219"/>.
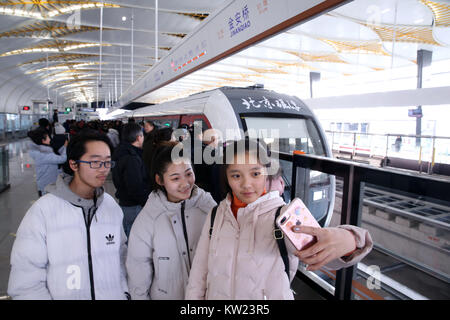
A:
<point x="297" y="214"/>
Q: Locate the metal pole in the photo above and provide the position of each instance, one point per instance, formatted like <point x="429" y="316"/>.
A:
<point x="394" y="38"/>
<point x="156" y="31"/>
<point x="121" y="79"/>
<point x="433" y="156"/>
<point x="132" y="46"/>
<point x="387" y="144"/>
<point x="115" y="83"/>
<point x="97" y="92"/>
<point x="423" y="60"/>
<point x="48" y="90"/>
<point x="101" y="41"/>
<point x="354" y="146"/>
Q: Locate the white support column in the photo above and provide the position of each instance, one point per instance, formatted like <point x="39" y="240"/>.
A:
<point x="101" y="42"/>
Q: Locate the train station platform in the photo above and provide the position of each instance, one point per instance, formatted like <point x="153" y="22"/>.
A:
<point x="16" y="200"/>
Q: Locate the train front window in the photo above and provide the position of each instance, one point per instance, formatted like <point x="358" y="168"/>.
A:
<point x="315" y="188"/>
<point x="291" y="134"/>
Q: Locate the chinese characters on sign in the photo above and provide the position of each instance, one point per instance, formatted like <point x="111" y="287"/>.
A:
<point x="278" y="103"/>
<point x="239" y="22"/>
<point x="189" y="57"/>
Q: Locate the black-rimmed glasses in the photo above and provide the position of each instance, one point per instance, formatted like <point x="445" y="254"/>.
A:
<point x="98" y="164"/>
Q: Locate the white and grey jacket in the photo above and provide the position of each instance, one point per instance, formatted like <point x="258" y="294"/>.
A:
<point x="159" y="258"/>
<point x="68" y="247"/>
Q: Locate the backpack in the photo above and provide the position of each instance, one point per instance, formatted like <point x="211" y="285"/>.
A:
<point x="278" y="235"/>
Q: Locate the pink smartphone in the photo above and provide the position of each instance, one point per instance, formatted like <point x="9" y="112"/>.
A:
<point x="297" y="214"/>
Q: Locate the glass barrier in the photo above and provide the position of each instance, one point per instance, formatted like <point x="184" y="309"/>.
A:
<point x="410" y="259"/>
<point x="408" y="217"/>
<point x="4" y="167"/>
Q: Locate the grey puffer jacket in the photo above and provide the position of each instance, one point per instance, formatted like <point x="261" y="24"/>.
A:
<point x="158" y="261"/>
<point x="46" y="162"/>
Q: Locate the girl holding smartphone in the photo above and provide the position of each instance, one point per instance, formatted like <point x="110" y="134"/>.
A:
<point x="240" y="259"/>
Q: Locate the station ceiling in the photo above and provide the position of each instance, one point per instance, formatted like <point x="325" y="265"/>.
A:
<point x="55" y="48"/>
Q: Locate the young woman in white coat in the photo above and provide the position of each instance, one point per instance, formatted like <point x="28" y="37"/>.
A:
<point x="240" y="258"/>
<point x="164" y="235"/>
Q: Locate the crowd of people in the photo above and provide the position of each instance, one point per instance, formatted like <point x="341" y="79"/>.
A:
<point x="180" y="229"/>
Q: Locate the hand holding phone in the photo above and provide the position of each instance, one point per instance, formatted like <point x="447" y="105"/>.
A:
<point x="297" y="214"/>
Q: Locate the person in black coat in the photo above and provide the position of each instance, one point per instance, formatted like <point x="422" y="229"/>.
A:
<point x="59" y="138"/>
<point x="55" y="116"/>
<point x="130" y="176"/>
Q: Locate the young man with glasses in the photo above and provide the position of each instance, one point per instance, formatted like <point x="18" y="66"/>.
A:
<point x="71" y="243"/>
<point x="130" y="175"/>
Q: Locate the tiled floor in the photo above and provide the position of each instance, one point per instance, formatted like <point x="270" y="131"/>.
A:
<point x="15" y="201"/>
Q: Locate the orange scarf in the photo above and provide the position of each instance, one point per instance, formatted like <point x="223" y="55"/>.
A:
<point x="236" y="204"/>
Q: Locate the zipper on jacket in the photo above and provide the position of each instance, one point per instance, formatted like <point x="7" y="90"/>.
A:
<point x="91" y="270"/>
<point x="233" y="267"/>
<point x="87" y="222"/>
<point x="183" y="220"/>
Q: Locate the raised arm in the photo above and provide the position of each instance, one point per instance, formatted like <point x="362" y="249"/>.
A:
<point x="336" y="248"/>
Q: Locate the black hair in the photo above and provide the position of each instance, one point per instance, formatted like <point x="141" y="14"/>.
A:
<point x="77" y="146"/>
<point x="235" y="147"/>
<point x="131" y="131"/>
<point x="43" y="122"/>
<point x="162" y="134"/>
<point x="150" y="122"/>
<point x="37" y="135"/>
<point x="162" y="158"/>
<point x="156" y="137"/>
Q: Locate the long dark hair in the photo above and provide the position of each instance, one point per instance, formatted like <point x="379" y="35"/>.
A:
<point x="233" y="148"/>
<point x="156" y="137"/>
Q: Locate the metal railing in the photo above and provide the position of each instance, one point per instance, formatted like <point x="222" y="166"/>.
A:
<point x="355" y="176"/>
<point x="433" y="149"/>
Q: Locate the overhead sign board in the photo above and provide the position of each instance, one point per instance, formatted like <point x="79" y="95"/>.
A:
<point x="236" y="26"/>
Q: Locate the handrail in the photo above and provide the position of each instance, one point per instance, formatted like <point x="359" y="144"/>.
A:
<point x="389" y="134"/>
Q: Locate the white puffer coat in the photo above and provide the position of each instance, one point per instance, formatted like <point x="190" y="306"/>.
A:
<point x="56" y="255"/>
<point x="158" y="262"/>
<point x="242" y="260"/>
